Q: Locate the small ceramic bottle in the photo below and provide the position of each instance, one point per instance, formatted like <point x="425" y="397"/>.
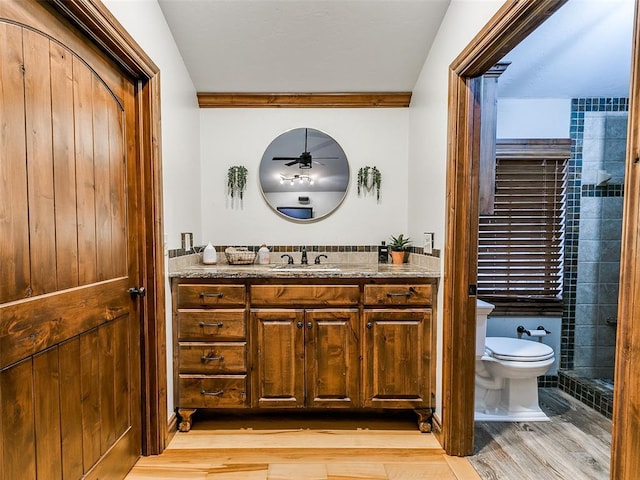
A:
<point x="263" y="255"/>
<point x="209" y="255"/>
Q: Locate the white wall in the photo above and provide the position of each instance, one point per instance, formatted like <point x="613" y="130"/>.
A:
<point x="240" y="136"/>
<point x="144" y="20"/>
<point x="428" y="132"/>
<point x="533" y="117"/>
<point x="180" y="133"/>
<point x="395" y="140"/>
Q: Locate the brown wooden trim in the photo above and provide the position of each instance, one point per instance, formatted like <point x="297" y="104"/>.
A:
<point x="34" y="324"/>
<point x="625" y="435"/>
<point x="93" y="19"/>
<point x="460" y="267"/>
<point x="305" y="100"/>
<point x="489" y="126"/>
<point x="97" y="22"/>
<point x="551" y="148"/>
<point x="172" y="427"/>
<point x="511" y="24"/>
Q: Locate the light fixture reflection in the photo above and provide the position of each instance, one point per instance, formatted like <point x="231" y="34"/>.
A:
<point x="299" y="178"/>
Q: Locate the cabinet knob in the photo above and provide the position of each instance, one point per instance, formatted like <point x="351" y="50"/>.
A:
<point x="369" y="325"/>
<point x="309" y="325"/>
<point x="299" y="324"/>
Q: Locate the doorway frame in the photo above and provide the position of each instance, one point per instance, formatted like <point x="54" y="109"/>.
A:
<point x="508" y="27"/>
<point x="100" y="27"/>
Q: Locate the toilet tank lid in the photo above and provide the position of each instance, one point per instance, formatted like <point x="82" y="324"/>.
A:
<point x="516" y="348"/>
<point x="483" y="304"/>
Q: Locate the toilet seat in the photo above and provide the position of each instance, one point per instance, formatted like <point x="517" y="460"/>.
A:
<point x="514" y="349"/>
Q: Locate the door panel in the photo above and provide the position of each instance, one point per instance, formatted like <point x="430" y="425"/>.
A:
<point x="90" y="407"/>
<point x="18" y="442"/>
<point x="14" y="251"/>
<point x="397" y="358"/>
<point x="69" y="331"/>
<point x="331" y="357"/>
<point x="279" y="373"/>
<point x="85" y="183"/>
<point x="42" y="238"/>
<point x="70" y="417"/>
<point x="46" y="383"/>
<point x="64" y="168"/>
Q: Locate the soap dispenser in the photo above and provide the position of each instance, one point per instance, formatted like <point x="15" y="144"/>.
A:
<point x="383" y="253"/>
<point x="209" y="255"/>
<point x="263" y="255"/>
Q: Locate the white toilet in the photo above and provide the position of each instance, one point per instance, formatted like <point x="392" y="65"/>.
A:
<point x="506" y="374"/>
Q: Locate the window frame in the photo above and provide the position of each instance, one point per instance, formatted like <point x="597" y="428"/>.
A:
<point x="524" y="302"/>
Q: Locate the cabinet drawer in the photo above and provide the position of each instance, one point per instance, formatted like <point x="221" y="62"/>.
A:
<point x="208" y="391"/>
<point x="205" y="295"/>
<point x="401" y="294"/>
<point x="213" y="358"/>
<point x="212" y="324"/>
<point x="291" y="295"/>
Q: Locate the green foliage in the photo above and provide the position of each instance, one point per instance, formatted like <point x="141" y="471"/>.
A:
<point x="236" y="181"/>
<point x="369" y="178"/>
<point x="399" y="243"/>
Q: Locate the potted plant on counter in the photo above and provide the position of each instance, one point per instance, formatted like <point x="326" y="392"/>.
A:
<point x="398" y="248"/>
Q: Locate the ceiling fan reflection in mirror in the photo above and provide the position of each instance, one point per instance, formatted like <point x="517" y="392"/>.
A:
<point x="305" y="160"/>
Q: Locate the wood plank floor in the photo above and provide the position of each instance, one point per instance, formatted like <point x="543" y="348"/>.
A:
<point x="575" y="444"/>
<point x="300" y="447"/>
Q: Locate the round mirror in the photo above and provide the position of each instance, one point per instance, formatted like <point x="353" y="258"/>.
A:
<point x="304" y="174"/>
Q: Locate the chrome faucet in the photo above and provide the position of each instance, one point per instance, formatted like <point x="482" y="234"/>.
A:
<point x="288" y="257"/>
<point x="303" y="260"/>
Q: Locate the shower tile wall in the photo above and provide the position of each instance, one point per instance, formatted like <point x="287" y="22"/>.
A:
<point x="592" y="250"/>
<point x="592" y="243"/>
<point x="603" y="153"/>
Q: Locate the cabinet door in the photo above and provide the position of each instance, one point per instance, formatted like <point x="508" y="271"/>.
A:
<point x="397" y="348"/>
<point x="278" y="375"/>
<point x="331" y="357"/>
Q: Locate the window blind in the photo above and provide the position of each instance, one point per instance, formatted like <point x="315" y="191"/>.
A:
<point x="520" y="246"/>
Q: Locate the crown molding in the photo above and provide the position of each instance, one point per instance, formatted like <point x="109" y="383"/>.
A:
<point x="305" y="100"/>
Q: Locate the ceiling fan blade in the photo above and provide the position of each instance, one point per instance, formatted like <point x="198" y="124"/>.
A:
<point x="326" y="158"/>
<point x="285" y="158"/>
<point x="292" y="163"/>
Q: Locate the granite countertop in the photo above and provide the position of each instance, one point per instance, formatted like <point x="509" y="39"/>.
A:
<point x="329" y="270"/>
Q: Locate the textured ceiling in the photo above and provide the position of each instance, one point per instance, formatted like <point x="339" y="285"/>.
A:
<point x="304" y="45"/>
<point x="380" y="45"/>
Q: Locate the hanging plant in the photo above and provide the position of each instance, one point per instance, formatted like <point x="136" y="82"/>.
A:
<point x="236" y="181"/>
<point x="369" y="178"/>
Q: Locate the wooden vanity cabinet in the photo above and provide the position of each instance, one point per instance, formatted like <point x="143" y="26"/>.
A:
<point x="212" y="361"/>
<point x="306" y="356"/>
<point x="263" y="343"/>
<point x="398" y="341"/>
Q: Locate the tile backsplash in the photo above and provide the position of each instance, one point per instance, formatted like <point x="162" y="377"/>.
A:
<point x="336" y="254"/>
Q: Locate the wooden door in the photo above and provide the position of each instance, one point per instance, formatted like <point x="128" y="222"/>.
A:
<point x="332" y="358"/>
<point x="70" y="385"/>
<point x="278" y="375"/>
<point x="397" y="358"/>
